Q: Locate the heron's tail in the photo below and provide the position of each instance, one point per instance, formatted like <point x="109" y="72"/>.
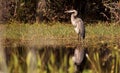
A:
<point x="83" y="37"/>
<point x="83" y="34"/>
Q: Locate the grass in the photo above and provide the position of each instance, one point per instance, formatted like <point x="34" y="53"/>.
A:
<point x="58" y="30"/>
<point x="40" y="32"/>
<point x="54" y="32"/>
<point x="102" y="43"/>
<point x="103" y="30"/>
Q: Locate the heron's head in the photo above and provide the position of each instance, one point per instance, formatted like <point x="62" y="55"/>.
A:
<point x="71" y="11"/>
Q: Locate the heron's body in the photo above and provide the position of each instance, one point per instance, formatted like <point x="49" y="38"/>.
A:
<point x="79" y="28"/>
<point x="77" y="23"/>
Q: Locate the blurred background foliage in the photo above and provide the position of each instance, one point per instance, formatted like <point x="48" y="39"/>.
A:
<point x="53" y="10"/>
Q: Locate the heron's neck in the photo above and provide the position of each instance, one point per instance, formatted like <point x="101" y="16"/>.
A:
<point x="73" y="19"/>
<point x="73" y="16"/>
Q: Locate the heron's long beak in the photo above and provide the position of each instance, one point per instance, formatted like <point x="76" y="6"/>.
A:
<point x="66" y="11"/>
<point x="69" y="11"/>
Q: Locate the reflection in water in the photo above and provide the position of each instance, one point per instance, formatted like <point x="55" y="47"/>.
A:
<point x="3" y="66"/>
<point x="79" y="59"/>
<point x="31" y="61"/>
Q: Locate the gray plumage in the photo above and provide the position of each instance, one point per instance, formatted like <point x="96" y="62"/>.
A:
<point x="79" y="59"/>
<point x="78" y="56"/>
<point x="77" y="23"/>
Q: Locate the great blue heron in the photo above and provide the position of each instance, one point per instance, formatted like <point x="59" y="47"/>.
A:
<point x="77" y="23"/>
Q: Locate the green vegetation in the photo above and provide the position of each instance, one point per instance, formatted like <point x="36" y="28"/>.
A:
<point x="59" y="30"/>
<point x="102" y="43"/>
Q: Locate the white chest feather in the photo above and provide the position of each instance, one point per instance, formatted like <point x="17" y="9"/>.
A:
<point x="76" y="30"/>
